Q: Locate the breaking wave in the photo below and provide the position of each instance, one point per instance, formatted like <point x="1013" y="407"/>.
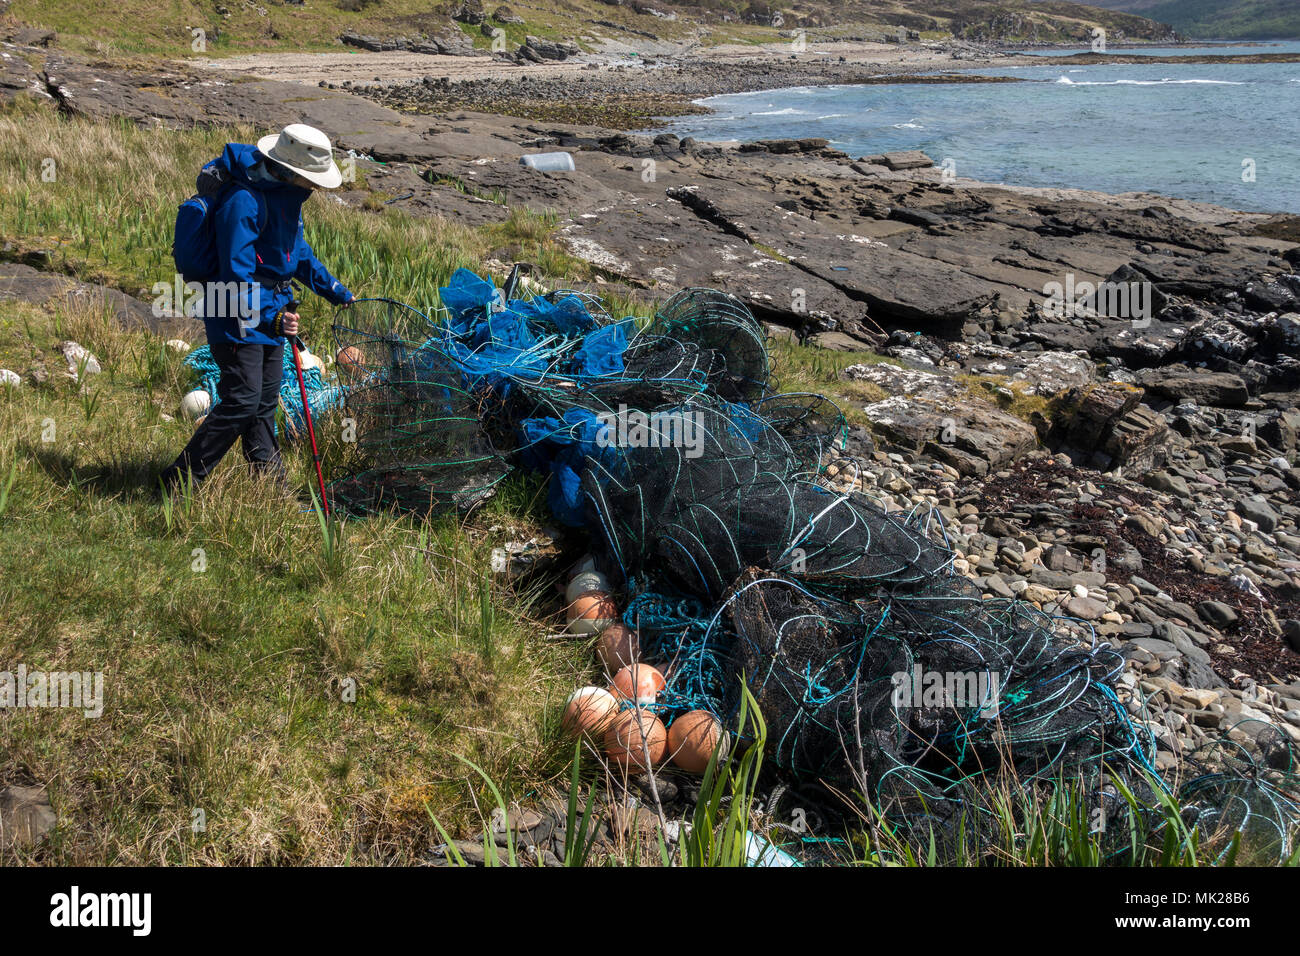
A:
<point x="1066" y="81"/>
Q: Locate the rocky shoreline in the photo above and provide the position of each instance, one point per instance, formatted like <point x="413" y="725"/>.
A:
<point x="630" y="96"/>
<point x="634" y="95"/>
<point x="1130" y="467"/>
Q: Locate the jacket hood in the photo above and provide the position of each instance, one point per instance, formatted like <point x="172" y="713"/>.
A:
<point x="245" y="164"/>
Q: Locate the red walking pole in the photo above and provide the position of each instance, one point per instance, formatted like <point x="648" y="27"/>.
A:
<point x="306" y="411"/>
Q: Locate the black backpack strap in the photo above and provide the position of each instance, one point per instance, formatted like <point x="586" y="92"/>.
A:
<point x="211" y="180"/>
<point x="216" y="181"/>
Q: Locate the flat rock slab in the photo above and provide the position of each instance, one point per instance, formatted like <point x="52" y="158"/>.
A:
<point x="908" y="382"/>
<point x="23" y="283"/>
<point x="406" y="189"/>
<point x="18" y="78"/>
<point x="1221" y="389"/>
<point x="971" y="435"/>
<point x="903" y="159"/>
<point x="896" y="285"/>
<point x="1049" y="373"/>
<point x="663" y="248"/>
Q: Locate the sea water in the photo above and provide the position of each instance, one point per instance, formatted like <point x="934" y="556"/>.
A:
<point x="1226" y="133"/>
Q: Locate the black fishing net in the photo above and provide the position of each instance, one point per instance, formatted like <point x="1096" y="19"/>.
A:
<point x="878" y="670"/>
<point x="413" y="440"/>
<point x="722" y="325"/>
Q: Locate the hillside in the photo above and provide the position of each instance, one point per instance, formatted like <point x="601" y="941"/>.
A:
<point x="1018" y="20"/>
<point x="464" y="26"/>
<point x="1219" y="19"/>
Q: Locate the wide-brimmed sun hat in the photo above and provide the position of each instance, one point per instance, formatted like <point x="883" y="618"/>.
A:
<point x="306" y="151"/>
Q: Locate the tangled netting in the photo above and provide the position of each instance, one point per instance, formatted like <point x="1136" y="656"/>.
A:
<point x="321" y="395"/>
<point x="417" y="442"/>
<point x="876" y="667"/>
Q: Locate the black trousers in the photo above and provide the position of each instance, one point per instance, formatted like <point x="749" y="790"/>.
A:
<point x="249" y="391"/>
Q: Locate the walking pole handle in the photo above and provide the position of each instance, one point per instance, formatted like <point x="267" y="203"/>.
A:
<point x="295" y="344"/>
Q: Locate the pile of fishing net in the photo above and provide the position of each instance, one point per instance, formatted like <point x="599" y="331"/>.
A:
<point x="876" y="668"/>
<point x="321" y="396"/>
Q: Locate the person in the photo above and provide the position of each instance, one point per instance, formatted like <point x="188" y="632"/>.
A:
<point x="257" y="227"/>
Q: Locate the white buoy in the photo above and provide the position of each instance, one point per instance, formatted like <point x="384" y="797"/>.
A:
<point x="195" y="404"/>
<point x="310" y="361"/>
<point x="584" y="582"/>
<point x="585" y="563"/>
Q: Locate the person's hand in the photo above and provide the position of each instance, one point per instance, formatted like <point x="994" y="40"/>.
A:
<point x="289" y="323"/>
<point x="351" y="299"/>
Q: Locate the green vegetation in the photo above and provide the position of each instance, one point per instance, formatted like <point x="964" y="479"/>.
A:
<point x="166" y="29"/>
<point x="806" y="368"/>
<point x="231" y="625"/>
<point x="232" y="629"/>
<point x="1234" y="20"/>
<point x="1050" y="824"/>
<point x="1219" y="19"/>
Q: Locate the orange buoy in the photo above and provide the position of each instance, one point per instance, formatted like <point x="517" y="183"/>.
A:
<point x="693" y="737"/>
<point x="639" y="683"/>
<point x="591" y="613"/>
<point x="351" y="361"/>
<point x="624" y="743"/>
<point x="588" y="711"/>
<point x="617" y="647"/>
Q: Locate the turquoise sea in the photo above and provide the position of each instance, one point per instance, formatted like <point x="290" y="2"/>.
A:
<point x="1226" y="133"/>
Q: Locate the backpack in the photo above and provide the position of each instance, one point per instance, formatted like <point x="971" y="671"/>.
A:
<point x="194" y="241"/>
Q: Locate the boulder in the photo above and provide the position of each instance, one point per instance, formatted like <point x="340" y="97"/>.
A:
<point x="35" y="36"/>
<point x="1090" y="412"/>
<point x="1181" y="383"/>
<point x="1169" y="484"/>
<point x="1048" y="373"/>
<point x="971" y="435"/>
<point x="1216" y="614"/>
<point x="1291" y="634"/>
<point x="1257" y="509"/>
<point x="538" y="49"/>
<point x="471" y="12"/>
<point x="1137" y="440"/>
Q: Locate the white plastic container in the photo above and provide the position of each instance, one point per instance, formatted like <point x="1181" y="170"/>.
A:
<point x="548" y="162"/>
<point x="584" y="582"/>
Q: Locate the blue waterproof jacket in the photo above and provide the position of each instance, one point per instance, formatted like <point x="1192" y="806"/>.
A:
<point x="258" y="226"/>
